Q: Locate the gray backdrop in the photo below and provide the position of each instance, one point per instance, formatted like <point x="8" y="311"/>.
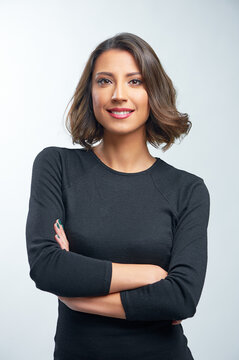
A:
<point x="44" y="47"/>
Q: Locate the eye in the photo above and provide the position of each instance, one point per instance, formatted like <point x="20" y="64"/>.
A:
<point x="103" y="81"/>
<point x="136" y="80"/>
<point x="100" y="81"/>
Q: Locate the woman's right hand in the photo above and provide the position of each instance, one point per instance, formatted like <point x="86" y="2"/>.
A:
<point x="60" y="235"/>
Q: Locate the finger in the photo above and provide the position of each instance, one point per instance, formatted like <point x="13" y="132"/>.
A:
<point x="62" y="232"/>
<point x="58" y="232"/>
<point x="60" y="224"/>
<point x="60" y="242"/>
<point x="61" y="229"/>
<point x="57" y="228"/>
<point x="63" y="239"/>
<point x="62" y="236"/>
<point x="57" y="240"/>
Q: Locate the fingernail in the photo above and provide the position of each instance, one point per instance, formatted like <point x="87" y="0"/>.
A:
<point x="59" y="221"/>
<point x="58" y="236"/>
<point x="58" y="225"/>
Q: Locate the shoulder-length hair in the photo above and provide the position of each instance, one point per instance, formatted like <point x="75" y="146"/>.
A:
<point x="164" y="124"/>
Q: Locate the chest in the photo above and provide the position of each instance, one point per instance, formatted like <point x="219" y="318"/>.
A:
<point x="123" y="221"/>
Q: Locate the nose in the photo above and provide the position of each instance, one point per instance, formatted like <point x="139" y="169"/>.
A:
<point x="119" y="92"/>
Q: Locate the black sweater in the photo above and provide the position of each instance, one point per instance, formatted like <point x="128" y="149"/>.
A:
<point x="157" y="216"/>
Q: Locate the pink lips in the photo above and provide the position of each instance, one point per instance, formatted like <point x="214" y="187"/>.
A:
<point x="120" y="109"/>
<point x="120" y="116"/>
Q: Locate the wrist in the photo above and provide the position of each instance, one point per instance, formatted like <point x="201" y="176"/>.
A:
<point x="159" y="273"/>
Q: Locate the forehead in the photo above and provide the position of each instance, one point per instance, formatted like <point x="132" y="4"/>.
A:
<point x="116" y="60"/>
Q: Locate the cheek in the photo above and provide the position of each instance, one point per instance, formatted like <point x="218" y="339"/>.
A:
<point x="95" y="98"/>
<point x="98" y="100"/>
<point x="142" y="101"/>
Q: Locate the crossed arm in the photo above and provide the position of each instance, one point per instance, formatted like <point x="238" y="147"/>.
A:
<point x="124" y="276"/>
<point x="132" y="291"/>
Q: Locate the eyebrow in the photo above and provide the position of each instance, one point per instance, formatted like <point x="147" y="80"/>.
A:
<point x="110" y="74"/>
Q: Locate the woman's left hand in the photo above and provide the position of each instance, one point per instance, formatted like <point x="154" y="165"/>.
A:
<point x="61" y="236"/>
<point x="176" y="322"/>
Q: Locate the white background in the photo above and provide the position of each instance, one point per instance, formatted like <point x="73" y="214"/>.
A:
<point x="44" y="48"/>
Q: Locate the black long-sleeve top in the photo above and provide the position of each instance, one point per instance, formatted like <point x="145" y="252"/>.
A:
<point x="157" y="216"/>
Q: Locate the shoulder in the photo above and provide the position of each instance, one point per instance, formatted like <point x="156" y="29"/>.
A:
<point x="56" y="154"/>
<point x="179" y="186"/>
<point x="177" y="176"/>
<point x="52" y="151"/>
<point x="71" y="165"/>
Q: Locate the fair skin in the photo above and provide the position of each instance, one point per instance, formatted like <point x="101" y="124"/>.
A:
<point x="123" y="148"/>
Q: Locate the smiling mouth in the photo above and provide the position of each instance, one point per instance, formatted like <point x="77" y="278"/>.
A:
<point x="120" y="114"/>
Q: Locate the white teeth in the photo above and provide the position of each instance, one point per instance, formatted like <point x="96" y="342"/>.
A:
<point x="120" y="112"/>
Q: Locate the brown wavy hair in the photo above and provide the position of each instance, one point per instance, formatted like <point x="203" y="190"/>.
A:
<point x="164" y="124"/>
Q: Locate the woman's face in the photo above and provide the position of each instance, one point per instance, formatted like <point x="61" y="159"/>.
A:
<point x="120" y="90"/>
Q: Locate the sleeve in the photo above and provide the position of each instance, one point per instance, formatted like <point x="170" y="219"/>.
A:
<point x="60" y="272"/>
<point x="176" y="297"/>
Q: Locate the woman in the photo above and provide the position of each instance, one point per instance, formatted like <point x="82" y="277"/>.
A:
<point x="129" y="263"/>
